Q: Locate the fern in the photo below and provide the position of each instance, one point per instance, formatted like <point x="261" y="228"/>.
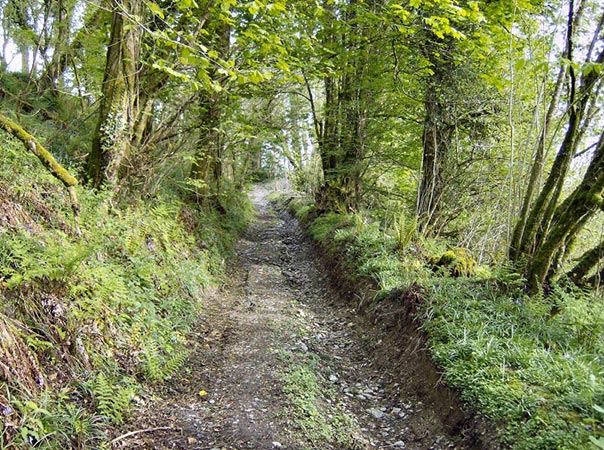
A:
<point x="158" y="367"/>
<point x="177" y="360"/>
<point x="112" y="400"/>
<point x="153" y="361"/>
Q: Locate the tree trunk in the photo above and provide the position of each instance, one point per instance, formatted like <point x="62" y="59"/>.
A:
<point x="536" y="171"/>
<point x="580" y="94"/>
<point x="47" y="160"/>
<point x="436" y="140"/>
<point x="552" y="227"/>
<point x="437" y="137"/>
<point x="587" y="261"/>
<point x="24" y="51"/>
<point x="207" y="163"/>
<point x="343" y="132"/>
<point x="64" y="48"/>
<point x="568" y="220"/>
<point x="119" y="104"/>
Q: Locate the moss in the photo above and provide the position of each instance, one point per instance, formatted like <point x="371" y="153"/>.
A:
<point x="37" y="149"/>
<point x="457" y="262"/>
<point x="46" y="158"/>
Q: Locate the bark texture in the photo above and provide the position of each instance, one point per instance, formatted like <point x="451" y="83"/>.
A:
<point x="119" y="105"/>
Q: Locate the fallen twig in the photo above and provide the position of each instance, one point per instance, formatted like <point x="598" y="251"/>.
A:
<point x="146" y="430"/>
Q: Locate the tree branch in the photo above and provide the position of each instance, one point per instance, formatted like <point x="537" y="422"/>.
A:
<point x="47" y="160"/>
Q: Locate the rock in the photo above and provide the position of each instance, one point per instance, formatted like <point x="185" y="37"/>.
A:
<point x="333" y="378"/>
<point x="303" y="347"/>
<point x="399" y="444"/>
<point x="376" y="412"/>
<point x="277" y="444"/>
<point x="396" y="411"/>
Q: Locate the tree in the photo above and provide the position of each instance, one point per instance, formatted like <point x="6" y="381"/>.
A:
<point x="208" y="159"/>
<point x="59" y="172"/>
<point x="119" y="104"/>
<point x="551" y="227"/>
<point x="348" y="35"/>
<point x="457" y="103"/>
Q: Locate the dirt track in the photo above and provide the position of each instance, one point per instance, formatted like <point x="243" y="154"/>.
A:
<point x="287" y="363"/>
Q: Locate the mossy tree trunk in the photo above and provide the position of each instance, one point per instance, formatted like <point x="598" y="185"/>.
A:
<point x="119" y="104"/>
<point x="326" y="197"/>
<point x="530" y="230"/>
<point x="586" y="263"/>
<point x="47" y="160"/>
<point x="551" y="226"/>
<point x="451" y="110"/>
<point x="208" y="159"/>
<point x="567" y="221"/>
<point x="62" y="12"/>
<point x="207" y="164"/>
<point x="343" y="132"/>
<point x="515" y="250"/>
<point x="67" y="47"/>
<point x="436" y="139"/>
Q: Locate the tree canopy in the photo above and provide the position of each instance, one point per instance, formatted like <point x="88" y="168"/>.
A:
<point x="480" y="121"/>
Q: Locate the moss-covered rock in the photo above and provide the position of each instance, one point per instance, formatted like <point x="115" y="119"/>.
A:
<point x="458" y="262"/>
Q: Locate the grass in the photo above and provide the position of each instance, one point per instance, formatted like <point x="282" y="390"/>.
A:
<point x="318" y="422"/>
<point x="540" y="375"/>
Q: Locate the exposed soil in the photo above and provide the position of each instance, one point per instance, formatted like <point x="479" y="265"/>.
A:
<point x="282" y="360"/>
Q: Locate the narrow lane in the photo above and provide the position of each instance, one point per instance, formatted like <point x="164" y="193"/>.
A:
<point x="280" y="362"/>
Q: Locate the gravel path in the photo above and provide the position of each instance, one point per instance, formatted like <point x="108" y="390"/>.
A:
<point x="280" y="361"/>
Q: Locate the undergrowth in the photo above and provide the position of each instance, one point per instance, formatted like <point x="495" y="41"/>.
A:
<point x="318" y="422"/>
<point x="85" y="321"/>
<point x="533" y="364"/>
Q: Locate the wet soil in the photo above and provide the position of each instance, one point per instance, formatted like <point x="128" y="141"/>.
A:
<point x="281" y="359"/>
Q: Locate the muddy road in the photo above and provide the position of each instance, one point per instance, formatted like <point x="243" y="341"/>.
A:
<point x="280" y="360"/>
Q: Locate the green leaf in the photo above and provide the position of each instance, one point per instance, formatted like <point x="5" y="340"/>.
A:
<point x="225" y="6"/>
<point x="155" y="9"/>
<point x="592" y="67"/>
<point x="278" y="6"/>
<point x="187" y="4"/>
<point x="599" y="442"/>
<point x="283" y="66"/>
<point x="256" y="77"/>
<point x="172" y="72"/>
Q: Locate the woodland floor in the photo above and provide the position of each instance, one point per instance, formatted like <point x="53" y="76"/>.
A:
<point x="286" y="364"/>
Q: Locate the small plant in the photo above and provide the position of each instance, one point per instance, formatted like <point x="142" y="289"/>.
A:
<point x="598" y="442"/>
<point x="112" y="398"/>
<point x="405" y="230"/>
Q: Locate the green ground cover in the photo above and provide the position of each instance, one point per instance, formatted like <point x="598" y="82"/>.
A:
<point x="532" y="365"/>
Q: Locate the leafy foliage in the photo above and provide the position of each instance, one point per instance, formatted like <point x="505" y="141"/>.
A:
<point x="112" y="398"/>
<point x="533" y="368"/>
